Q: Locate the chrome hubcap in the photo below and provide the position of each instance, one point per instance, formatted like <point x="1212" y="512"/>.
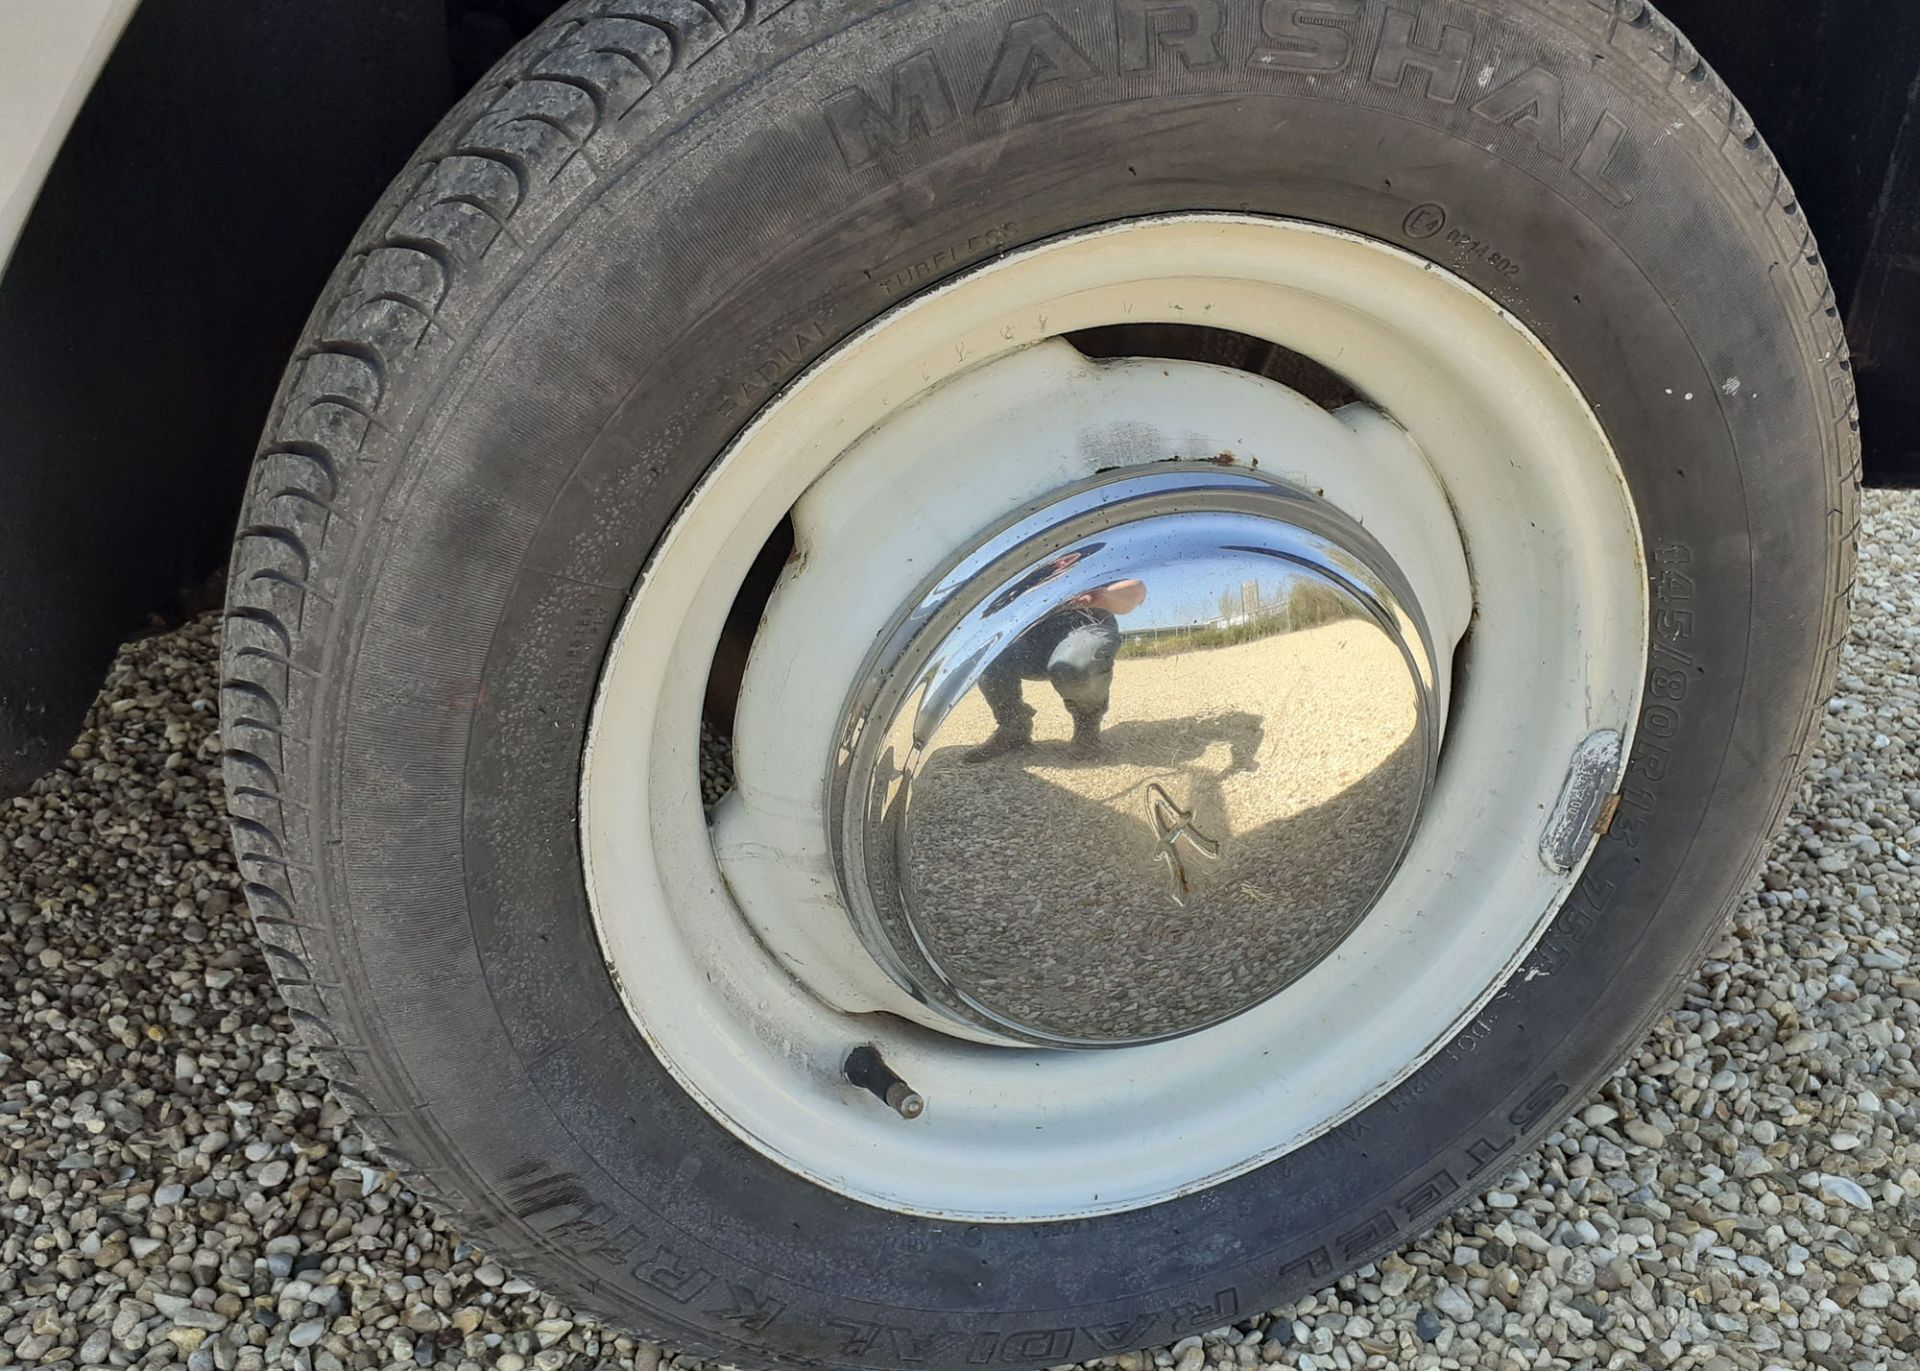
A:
<point x="1137" y="760"/>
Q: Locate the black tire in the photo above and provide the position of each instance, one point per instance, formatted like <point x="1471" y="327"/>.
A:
<point x="653" y="215"/>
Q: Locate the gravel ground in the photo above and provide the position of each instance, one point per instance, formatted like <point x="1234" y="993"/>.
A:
<point x="180" y="1187"/>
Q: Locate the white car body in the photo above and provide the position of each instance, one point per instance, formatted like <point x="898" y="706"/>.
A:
<point x="51" y="51"/>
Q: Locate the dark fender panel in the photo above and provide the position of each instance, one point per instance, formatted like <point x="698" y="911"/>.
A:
<point x="1834" y="86"/>
<point x="210" y="184"/>
<point x="1884" y="323"/>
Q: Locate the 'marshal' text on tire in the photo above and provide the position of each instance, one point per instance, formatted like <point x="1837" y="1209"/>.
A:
<point x="1395" y="49"/>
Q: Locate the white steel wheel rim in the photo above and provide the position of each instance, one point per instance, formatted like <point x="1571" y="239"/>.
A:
<point x="1012" y="1134"/>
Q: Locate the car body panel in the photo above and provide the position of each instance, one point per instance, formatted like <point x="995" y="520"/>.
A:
<point x="50" y="53"/>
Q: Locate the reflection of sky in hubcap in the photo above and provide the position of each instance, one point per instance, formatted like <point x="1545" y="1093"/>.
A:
<point x="1151" y="776"/>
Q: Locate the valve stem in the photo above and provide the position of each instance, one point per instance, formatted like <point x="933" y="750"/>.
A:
<point x="866" y="1068"/>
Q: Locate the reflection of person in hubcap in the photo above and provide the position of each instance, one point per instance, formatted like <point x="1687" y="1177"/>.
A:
<point x="1073" y="647"/>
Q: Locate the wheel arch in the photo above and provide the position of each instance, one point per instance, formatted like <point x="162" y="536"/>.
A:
<point x="200" y="199"/>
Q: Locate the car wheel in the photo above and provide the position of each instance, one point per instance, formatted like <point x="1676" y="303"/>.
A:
<point x="960" y="683"/>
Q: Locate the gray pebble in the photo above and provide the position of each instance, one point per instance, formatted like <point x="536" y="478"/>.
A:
<point x="1843" y="1190"/>
<point x="1453" y="1302"/>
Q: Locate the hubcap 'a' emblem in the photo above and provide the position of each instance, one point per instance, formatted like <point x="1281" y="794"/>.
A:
<point x="1175" y="825"/>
